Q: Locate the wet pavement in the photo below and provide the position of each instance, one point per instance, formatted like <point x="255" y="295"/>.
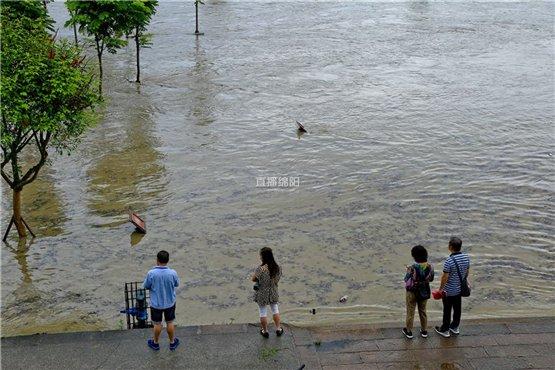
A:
<point x="482" y="344"/>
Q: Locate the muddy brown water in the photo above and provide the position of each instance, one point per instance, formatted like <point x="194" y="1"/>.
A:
<point x="425" y="120"/>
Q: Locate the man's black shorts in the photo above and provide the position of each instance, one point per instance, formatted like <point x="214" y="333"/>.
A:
<point x="156" y="314"/>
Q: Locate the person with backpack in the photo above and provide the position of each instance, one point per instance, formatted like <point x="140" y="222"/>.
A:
<point x="454" y="285"/>
<point x="417" y="284"/>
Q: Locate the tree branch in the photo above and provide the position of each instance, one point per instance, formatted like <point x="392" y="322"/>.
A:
<point x="15" y="166"/>
<point x="25" y="142"/>
<point x="32" y="173"/>
<point x="6" y="157"/>
<point x="8" y="180"/>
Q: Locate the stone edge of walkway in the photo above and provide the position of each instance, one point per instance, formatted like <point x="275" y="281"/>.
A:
<point x="320" y="347"/>
<point x="502" y="333"/>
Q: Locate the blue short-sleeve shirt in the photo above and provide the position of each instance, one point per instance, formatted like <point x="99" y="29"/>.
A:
<point x="161" y="281"/>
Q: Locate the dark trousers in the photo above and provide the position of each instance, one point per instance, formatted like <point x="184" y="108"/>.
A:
<point x="451" y="303"/>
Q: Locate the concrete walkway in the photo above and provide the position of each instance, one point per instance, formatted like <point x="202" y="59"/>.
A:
<point x="482" y="344"/>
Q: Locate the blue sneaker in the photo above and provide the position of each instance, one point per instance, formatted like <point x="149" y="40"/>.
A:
<point x="174" y="345"/>
<point x="154" y="346"/>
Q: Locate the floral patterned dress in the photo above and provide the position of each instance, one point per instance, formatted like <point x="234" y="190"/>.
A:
<point x="267" y="292"/>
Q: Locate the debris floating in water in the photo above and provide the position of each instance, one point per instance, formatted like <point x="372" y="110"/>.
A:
<point x="139" y="223"/>
<point x="300" y="127"/>
<point x="343" y="299"/>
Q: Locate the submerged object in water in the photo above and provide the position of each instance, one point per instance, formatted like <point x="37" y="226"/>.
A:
<point x="300" y="127"/>
<point x="139" y="223"/>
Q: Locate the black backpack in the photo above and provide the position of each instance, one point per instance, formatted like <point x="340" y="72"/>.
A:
<point x="421" y="287"/>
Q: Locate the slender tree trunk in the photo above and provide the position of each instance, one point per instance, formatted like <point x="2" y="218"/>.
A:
<point x="75" y="34"/>
<point x="138" y="47"/>
<point x="99" y="49"/>
<point x="100" y="73"/>
<point x="18" y="221"/>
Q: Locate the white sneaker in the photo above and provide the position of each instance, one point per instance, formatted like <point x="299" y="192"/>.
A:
<point x="454" y="330"/>
<point x="444" y="334"/>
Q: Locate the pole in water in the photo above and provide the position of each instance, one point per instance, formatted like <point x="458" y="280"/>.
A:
<point x="8" y="230"/>
<point x="197" y="32"/>
<point x="196" y="18"/>
<point x="12" y="221"/>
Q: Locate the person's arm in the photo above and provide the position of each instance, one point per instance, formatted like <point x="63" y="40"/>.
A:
<point x="408" y="273"/>
<point x="147" y="284"/>
<point x="255" y="275"/>
<point x="176" y="281"/>
<point x="445" y="275"/>
<point x="468" y="276"/>
<point x="444" y="279"/>
<point x="432" y="274"/>
<point x="468" y="272"/>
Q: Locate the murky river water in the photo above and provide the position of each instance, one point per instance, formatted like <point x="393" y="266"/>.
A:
<point x="425" y="120"/>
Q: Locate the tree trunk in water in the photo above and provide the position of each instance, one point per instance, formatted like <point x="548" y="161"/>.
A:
<point x="99" y="49"/>
<point x="138" y="47"/>
<point x="75" y="34"/>
<point x="100" y="70"/>
<point x="18" y="221"/>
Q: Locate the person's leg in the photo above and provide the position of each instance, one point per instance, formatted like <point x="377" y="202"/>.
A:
<point x="156" y="316"/>
<point x="170" y="327"/>
<point x="157" y="331"/>
<point x="422" y="314"/>
<point x="411" y="304"/>
<point x="263" y="318"/>
<point x="447" y="306"/>
<point x="264" y="324"/>
<point x="169" y="317"/>
<point x="275" y="316"/>
<point x="456" y="312"/>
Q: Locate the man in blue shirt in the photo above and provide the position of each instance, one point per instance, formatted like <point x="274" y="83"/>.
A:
<point x="457" y="263"/>
<point x="162" y="281"/>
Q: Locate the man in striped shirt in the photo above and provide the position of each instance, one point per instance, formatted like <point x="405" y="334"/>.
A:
<point x="451" y="286"/>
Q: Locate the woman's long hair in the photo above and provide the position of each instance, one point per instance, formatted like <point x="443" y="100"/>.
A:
<point x="267" y="257"/>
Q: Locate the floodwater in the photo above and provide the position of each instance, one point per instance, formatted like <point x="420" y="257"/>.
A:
<point x="425" y="120"/>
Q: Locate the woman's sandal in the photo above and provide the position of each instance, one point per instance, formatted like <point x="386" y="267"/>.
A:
<point x="279" y="332"/>
<point x="265" y="334"/>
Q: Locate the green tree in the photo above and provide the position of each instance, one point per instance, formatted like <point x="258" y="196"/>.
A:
<point x="47" y="98"/>
<point x="105" y="21"/>
<point x="138" y="14"/>
<point x="33" y="10"/>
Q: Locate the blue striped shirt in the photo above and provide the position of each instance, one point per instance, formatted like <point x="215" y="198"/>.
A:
<point x="453" y="286"/>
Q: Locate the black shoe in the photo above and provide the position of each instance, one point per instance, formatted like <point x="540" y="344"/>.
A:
<point x="424" y="333"/>
<point x="174" y="345"/>
<point x="407" y="333"/>
<point x="443" y="333"/>
<point x="265" y="334"/>
<point x="279" y="332"/>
